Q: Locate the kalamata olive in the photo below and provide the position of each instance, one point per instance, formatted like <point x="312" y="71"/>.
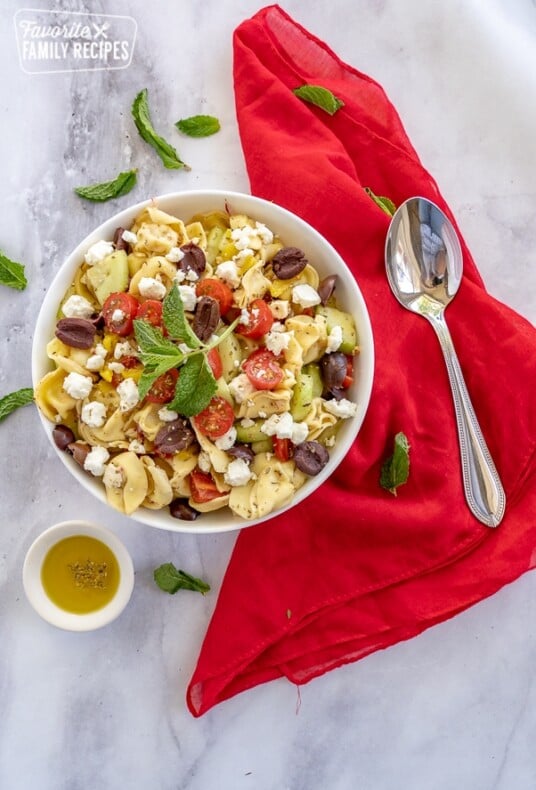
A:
<point x="79" y="451"/>
<point x="174" y="436"/>
<point x="288" y="263"/>
<point x="206" y="318"/>
<point x="63" y="436"/>
<point x="310" y="457"/>
<point x="241" y="451"/>
<point x="98" y="321"/>
<point x="335" y="393"/>
<point x="76" y="332"/>
<point x="180" y="508"/>
<point x="194" y="259"/>
<point x="119" y="242"/>
<point x="333" y="368"/>
<point x="326" y="288"/>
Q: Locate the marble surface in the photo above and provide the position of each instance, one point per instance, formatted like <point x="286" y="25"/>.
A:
<point x="453" y="708"/>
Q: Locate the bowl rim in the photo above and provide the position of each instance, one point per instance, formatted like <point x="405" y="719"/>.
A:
<point x="123" y="218"/>
<point x="47" y="609"/>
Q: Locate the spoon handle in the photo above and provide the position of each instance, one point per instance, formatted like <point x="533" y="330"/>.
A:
<point x="483" y="488"/>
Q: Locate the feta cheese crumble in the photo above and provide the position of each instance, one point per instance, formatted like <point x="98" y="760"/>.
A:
<point x="341" y="408"/>
<point x="124" y="349"/>
<point x="334" y="339"/>
<point x="175" y="255"/>
<point x="277" y="341"/>
<point x="189" y="297"/>
<point x="77" y="307"/>
<point x="95" y="461"/>
<point x="151" y="288"/>
<point x="98" y="251"/>
<point x="137" y="447"/>
<point x="227" y="440"/>
<point x="241" y="388"/>
<point x="228" y="272"/>
<point x="118" y="315"/>
<point x="129" y="237"/>
<point x="238" y="473"/>
<point x="167" y="415"/>
<point x="77" y="386"/>
<point x="203" y="461"/>
<point x="93" y="414"/>
<point x="305" y="295"/>
<point x="128" y="394"/>
<point x="113" y="476"/>
<point x="283" y="427"/>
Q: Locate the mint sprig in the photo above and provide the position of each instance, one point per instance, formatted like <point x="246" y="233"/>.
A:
<point x="176" y="322"/>
<point x="395" y="471"/>
<point x="198" y="125"/>
<point x="12" y="273"/>
<point x="14" y="400"/>
<point x="107" y="190"/>
<point x="170" y="579"/>
<point x="385" y="203"/>
<point x="195" y="388"/>
<point x="320" y="97"/>
<point x="142" y="119"/>
<point x="196" y="384"/>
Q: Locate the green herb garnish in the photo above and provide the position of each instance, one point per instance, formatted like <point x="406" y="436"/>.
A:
<point x="196" y="385"/>
<point x="109" y="189"/>
<point x="142" y="119"/>
<point x="170" y="579"/>
<point x="385" y="203"/>
<point x="320" y="97"/>
<point x="395" y="470"/>
<point x="12" y="273"/>
<point x="14" y="401"/>
<point x="198" y="125"/>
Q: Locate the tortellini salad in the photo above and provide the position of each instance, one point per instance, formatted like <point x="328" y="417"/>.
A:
<point x="272" y="351"/>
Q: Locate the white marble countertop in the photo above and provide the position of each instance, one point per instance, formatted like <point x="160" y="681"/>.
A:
<point x="453" y="708"/>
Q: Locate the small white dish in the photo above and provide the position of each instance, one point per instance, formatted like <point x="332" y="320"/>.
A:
<point x="45" y="607"/>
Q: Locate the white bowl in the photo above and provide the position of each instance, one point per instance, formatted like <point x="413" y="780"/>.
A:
<point x="33" y="586"/>
<point x="294" y="232"/>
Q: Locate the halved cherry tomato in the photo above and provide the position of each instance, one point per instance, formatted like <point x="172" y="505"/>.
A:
<point x="151" y="311"/>
<point x="218" y="290"/>
<point x="163" y="389"/>
<point x="127" y="305"/>
<point x="202" y="486"/>
<point x="214" y="360"/>
<point x="130" y="361"/>
<point x="262" y="369"/>
<point x="260" y="320"/>
<point x="349" y="377"/>
<point x="216" y="419"/>
<point x="282" y="448"/>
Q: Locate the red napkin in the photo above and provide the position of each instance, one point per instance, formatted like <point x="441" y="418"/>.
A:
<point x="352" y="569"/>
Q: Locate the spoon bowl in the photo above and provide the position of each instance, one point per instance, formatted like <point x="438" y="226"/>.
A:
<point x="424" y="265"/>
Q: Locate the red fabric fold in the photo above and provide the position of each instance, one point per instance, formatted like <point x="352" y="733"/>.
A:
<point x="352" y="569"/>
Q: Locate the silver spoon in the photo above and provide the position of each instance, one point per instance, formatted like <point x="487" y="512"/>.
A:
<point x="424" y="265"/>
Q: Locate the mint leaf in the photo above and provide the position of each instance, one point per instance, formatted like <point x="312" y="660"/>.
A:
<point x="109" y="189"/>
<point x="170" y="579"/>
<point x="198" y="125"/>
<point x="12" y="273"/>
<point x="320" y="97"/>
<point x="195" y="387"/>
<point x="175" y="321"/>
<point x="395" y="471"/>
<point x="158" y="354"/>
<point x="142" y="119"/>
<point x="14" y="400"/>
<point x="385" y="203"/>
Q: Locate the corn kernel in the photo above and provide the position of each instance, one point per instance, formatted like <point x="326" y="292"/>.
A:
<point x="106" y="374"/>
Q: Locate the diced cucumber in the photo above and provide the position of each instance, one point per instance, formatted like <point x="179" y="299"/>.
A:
<point x="229" y="350"/>
<point x="223" y="390"/>
<point x="308" y="386"/>
<point x="251" y="434"/>
<point x="214" y="239"/>
<point x="264" y="446"/>
<point x="109" y="275"/>
<point x="336" y="317"/>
